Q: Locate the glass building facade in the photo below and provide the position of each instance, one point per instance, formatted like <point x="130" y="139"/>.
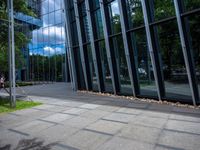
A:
<point x="45" y="55"/>
<point x="135" y="47"/>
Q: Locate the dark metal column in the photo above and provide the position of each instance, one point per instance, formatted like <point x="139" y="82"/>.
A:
<point x="130" y="60"/>
<point x="70" y="49"/>
<point x="150" y="47"/>
<point x="80" y="40"/>
<point x="96" y="58"/>
<point x="190" y="67"/>
<point x="110" y="57"/>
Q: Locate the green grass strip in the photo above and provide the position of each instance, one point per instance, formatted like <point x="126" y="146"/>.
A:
<point x="20" y="104"/>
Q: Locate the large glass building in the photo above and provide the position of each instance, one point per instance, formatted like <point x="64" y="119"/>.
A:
<point x="143" y="48"/>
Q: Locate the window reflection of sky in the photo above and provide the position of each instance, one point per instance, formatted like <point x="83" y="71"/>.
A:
<point x="50" y="38"/>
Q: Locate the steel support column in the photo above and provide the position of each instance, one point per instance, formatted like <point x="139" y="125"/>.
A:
<point x="187" y="56"/>
<point x="111" y="62"/>
<point x="130" y="60"/>
<point x="70" y="52"/>
<point x="96" y="58"/>
<point x="150" y="47"/>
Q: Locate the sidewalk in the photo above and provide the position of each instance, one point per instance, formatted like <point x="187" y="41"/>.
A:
<point x="92" y="122"/>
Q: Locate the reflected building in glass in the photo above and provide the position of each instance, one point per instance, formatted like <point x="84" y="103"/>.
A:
<point x="135" y="47"/>
<point x="45" y="56"/>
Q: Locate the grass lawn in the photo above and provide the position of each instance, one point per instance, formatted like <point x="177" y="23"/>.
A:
<point x="20" y="104"/>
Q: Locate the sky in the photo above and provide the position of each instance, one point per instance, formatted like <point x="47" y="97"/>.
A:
<point x="50" y="38"/>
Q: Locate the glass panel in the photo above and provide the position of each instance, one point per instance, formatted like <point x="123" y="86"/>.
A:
<point x="105" y="67"/>
<point x="191" y="4"/>
<point x="91" y="68"/>
<point x="114" y="17"/>
<point x="94" y="4"/>
<point x="118" y="47"/>
<point x="161" y="9"/>
<point x="193" y="24"/>
<point x="97" y="24"/>
<point x="143" y="63"/>
<point x="173" y="65"/>
<point x="79" y="70"/>
<point x="134" y="13"/>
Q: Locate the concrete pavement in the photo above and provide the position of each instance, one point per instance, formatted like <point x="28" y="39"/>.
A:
<point x="70" y="121"/>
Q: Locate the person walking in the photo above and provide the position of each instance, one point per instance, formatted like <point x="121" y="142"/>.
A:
<point x="2" y="81"/>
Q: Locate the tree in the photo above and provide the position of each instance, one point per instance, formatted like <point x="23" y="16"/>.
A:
<point x="20" y="38"/>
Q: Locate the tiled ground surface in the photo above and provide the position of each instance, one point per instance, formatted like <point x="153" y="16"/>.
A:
<point x="90" y="122"/>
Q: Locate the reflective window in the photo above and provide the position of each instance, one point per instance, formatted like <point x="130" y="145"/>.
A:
<point x="173" y="64"/>
<point x="97" y="24"/>
<point x="114" y="17"/>
<point x="191" y="4"/>
<point x="192" y="27"/>
<point x="47" y="47"/>
<point x="105" y="66"/>
<point x="121" y="64"/>
<point x="143" y="63"/>
<point x="134" y="13"/>
<point x="161" y="9"/>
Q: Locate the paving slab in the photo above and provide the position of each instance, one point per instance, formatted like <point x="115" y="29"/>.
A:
<point x="95" y="114"/>
<point x="108" y="108"/>
<point x="130" y="111"/>
<point x="75" y="111"/>
<point x="149" y="121"/>
<point x="190" y="127"/>
<point x="140" y="133"/>
<point x="79" y="122"/>
<point x="180" y="140"/>
<point x="89" y="106"/>
<point x="104" y="126"/>
<point x="86" y="140"/>
<point x="56" y="133"/>
<point x="57" y="117"/>
<point x="11" y="139"/>
<point x="33" y="127"/>
<point x="119" y="117"/>
<point x="118" y="143"/>
<point x="184" y="118"/>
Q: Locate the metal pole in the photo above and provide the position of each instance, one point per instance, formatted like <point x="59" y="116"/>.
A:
<point x="9" y="53"/>
<point x="150" y="46"/>
<point x="12" y="55"/>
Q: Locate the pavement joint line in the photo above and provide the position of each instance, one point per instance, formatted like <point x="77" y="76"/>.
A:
<point x="137" y="124"/>
<point x="13" y="113"/>
<point x="66" y="146"/>
<point x="19" y="132"/>
<point x="161" y="132"/>
<point x="74" y="115"/>
<point x="55" y="123"/>
<point x="168" y="147"/>
<point x="178" y="131"/>
<point x="99" y="132"/>
<point x="184" y="120"/>
<point x="156" y="117"/>
<point x="126" y="113"/>
<point x="46" y="110"/>
<point x="186" y="113"/>
<point x="113" y="120"/>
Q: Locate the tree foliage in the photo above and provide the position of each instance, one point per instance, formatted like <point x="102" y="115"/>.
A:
<point x="20" y="38"/>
